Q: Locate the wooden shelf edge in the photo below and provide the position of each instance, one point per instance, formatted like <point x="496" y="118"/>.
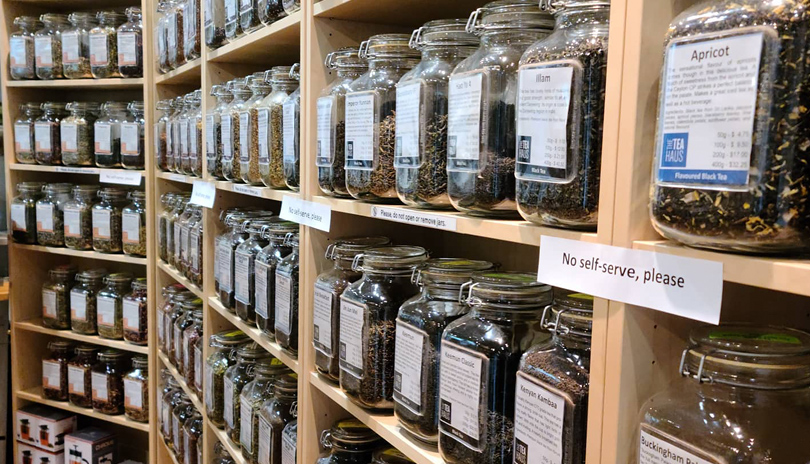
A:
<point x="179" y="75"/>
<point x="175" y="177"/>
<point x="181" y="380"/>
<point x="121" y="258"/>
<point x="79" y="83"/>
<point x="222" y="437"/>
<point x="35" y="325"/>
<point x="254" y="191"/>
<point x="265" y="33"/>
<point x="35" y="395"/>
<point x="69" y="169"/>
<point x="174" y="274"/>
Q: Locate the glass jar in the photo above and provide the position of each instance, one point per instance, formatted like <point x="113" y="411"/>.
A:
<point x="76" y="134"/>
<point x="110" y="305"/>
<point x="221" y="455"/>
<point x="174" y="229"/>
<point x="161" y="140"/>
<point x="368" y="312"/>
<point x="50" y="215"/>
<point x="331" y="123"/>
<point x="133" y="225"/>
<point x="175" y="33"/>
<point x="172" y="141"/>
<point x="289" y="441"/>
<point x="180" y="414"/>
<point x="192" y="433"/>
<point x="481" y="351"/>
<point x="255" y="395"/>
<point x="213" y="130"/>
<point x="24" y="132"/>
<point x="244" y="271"/>
<point x="191" y="334"/>
<point x="194" y="268"/>
<point x="349" y="441"/>
<point x="183" y="165"/>
<point x="249" y="128"/>
<point x="291" y="122"/>
<point x="78" y="218"/>
<point x="80" y="383"/>
<point x="55" y="371"/>
<point x="47" y="141"/>
<point x="193" y="36"/>
<point x="171" y="312"/>
<point x="223" y="356"/>
<point x="132" y="137"/>
<point x="291" y="6"/>
<point x="271" y="11"/>
<point x="191" y="311"/>
<point x="371" y="118"/>
<point x="233" y="30"/>
<point x="735" y="381"/>
<point x="130" y="44"/>
<point x="21" y="48"/>
<point x="230" y="128"/>
<point x="481" y="144"/>
<point x="197" y="385"/>
<point x="214" y="24"/>
<point x="135" y="309"/>
<point x="249" y="16"/>
<point x="108" y="382"/>
<point x="236" y="377"/>
<point x="104" y="45"/>
<point x="420" y="325"/>
<point x="286" y="298"/>
<point x="107" y="220"/>
<point x="195" y="131"/>
<point x="162" y="37"/>
<point x="421" y="120"/>
<point x="24" y="212"/>
<point x="76" y="45"/>
<point x="107" y="134"/>
<point x="48" y="46"/>
<point x="238" y="224"/>
<point x="136" y="390"/>
<point x="83" y="301"/>
<point x="265" y="273"/>
<point x="181" y="237"/>
<point x="168" y="293"/>
<point x="170" y="396"/>
<point x="271" y="419"/>
<point x="56" y="297"/>
<point x="271" y="152"/>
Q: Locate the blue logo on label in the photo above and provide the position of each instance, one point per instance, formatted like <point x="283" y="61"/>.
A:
<point x="674" y="150"/>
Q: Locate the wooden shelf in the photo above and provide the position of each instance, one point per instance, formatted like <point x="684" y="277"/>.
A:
<point x="253" y="191"/>
<point x="222" y="436"/>
<point x="35" y="325"/>
<point x="182" y="381"/>
<point x="410" y="13"/>
<point x="187" y="74"/>
<point x="94" y="84"/>
<point x="276" y="43"/>
<point x="175" y="274"/>
<point x="121" y="258"/>
<point x="35" y="395"/>
<point x="256" y="335"/>
<point x="175" y="177"/>
<point x="68" y="169"/>
<point x="169" y="451"/>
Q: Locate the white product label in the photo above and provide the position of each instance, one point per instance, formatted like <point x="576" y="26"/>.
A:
<point x="287" y="449"/>
<point x="460" y="390"/>
<point x="228" y="401"/>
<point x="324" y="153"/>
<point x="284" y="295"/>
<point x="22" y="137"/>
<point x="18" y="55"/>
<point x="49" y="303"/>
<point x="132" y="315"/>
<point x="69" y="133"/>
<point x="194" y="249"/>
<point x="704" y="139"/>
<point x="210" y="141"/>
<point x="408" y="366"/>
<point x="265" y="441"/>
<point x="184" y="243"/>
<point x="105" y="311"/>
<point x="76" y="380"/>
<point x="127" y="49"/>
<point x="408" y="116"/>
<point x="203" y="193"/>
<point x="305" y="212"/>
<point x="260" y="288"/>
<point x="177" y="239"/>
<point x="99" y="386"/>
<point x="70" y="47"/>
<point x="244" y="136"/>
<point x="192" y="139"/>
<point x="288" y="130"/>
<point x="130" y="138"/>
<point x="44" y="217"/>
<point x="177" y="338"/>
<point x="243" y="269"/>
<point x="98" y="49"/>
<point x="43" y="51"/>
<point x="246" y="423"/>
<point x="51" y="375"/>
<point x="73" y="222"/>
<point x="133" y="394"/>
<point x="78" y="306"/>
<point x="42" y="136"/>
<point x="263" y="121"/>
<point x="198" y="367"/>
<point x="130" y="227"/>
<point x="231" y="11"/>
<point x="227" y="136"/>
<point x="169" y="138"/>
<point x="544" y="97"/>
<point x="654" y="450"/>
<point x="226" y="273"/>
<point x="352" y="326"/>
<point x="184" y="137"/>
<point x="103" y="138"/>
<point x="208" y="391"/>
<point x="360" y="130"/>
<point x="322" y="320"/>
<point x="539" y="415"/>
<point x="18" y="217"/>
<point x="184" y="348"/>
<point x="436" y="221"/>
<point x="171" y="34"/>
<point x="101" y="223"/>
<point x="464" y="121"/>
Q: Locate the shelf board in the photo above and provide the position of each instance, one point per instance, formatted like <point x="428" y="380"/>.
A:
<point x="189" y="73"/>
<point x="68" y="169"/>
<point x="410" y="13"/>
<point x="95" y="84"/>
<point x="175" y="274"/>
<point x="35" y="325"/>
<point x="260" y="192"/>
<point x="222" y="436"/>
<point x="386" y="426"/>
<point x="270" y="44"/>
<point x="515" y="231"/>
<point x="119" y="257"/>
<point x="255" y="334"/>
<point x="175" y="177"/>
<point x="35" y="395"/>
<point x="182" y="381"/>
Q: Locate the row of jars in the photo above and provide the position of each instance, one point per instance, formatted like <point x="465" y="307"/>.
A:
<point x="80" y="45"/>
<point x="177" y="33"/>
<point x="92" y="301"/>
<point x="253" y="131"/>
<point x="80" y="217"/>
<point x="349" y="440"/>
<point x="180" y="234"/>
<point x="107" y="380"/>
<point x="178" y="135"/>
<point x="228" y="20"/>
<point x="109" y="135"/>
<point x="179" y="421"/>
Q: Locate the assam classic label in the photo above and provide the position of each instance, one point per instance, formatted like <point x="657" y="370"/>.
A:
<point x="408" y="366"/>
<point x="406" y="153"/>
<point x="322" y="321"/>
<point x="460" y="396"/>
<point x="323" y="155"/>
<point x="360" y="130"/>
<point x="655" y="450"/>
<point x="706" y="118"/>
<point x="539" y="416"/>
<point x="351" y="337"/>
<point x="464" y="121"/>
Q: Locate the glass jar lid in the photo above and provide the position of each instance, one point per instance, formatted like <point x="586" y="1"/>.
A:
<point x="133" y="12"/>
<point x="508" y="290"/>
<point x="140" y="362"/>
<point x="383" y="46"/>
<point x="349" y="247"/>
<point x="556" y="6"/>
<point x="346" y="57"/>
<point x="139" y="284"/>
<point x="118" y="278"/>
<point x="86" y="350"/>
<point x="30" y="107"/>
<point x="173" y="289"/>
<point x="135" y="107"/>
<point x="390" y="258"/>
<point x="277" y="228"/>
<point x="63" y="271"/>
<point x="58" y="188"/>
<point x="252" y="352"/>
<point x="110" y="18"/>
<point x="53" y="106"/>
<point x="79" y="107"/>
<point x="220" y="91"/>
<point x="191" y="304"/>
<point x="270" y="366"/>
<point x="182" y="297"/>
<point x="27" y="22"/>
<point x="238" y="87"/>
<point x="110" y="355"/>
<point x="30" y="187"/>
<point x="443" y="32"/>
<point x="53" y="18"/>
<point x="137" y="195"/>
<point x="164" y="105"/>
<point x="287" y="384"/>
<point x="451" y="272"/>
<point x="60" y="345"/>
<point x="279" y="75"/>
<point x="112" y="193"/>
<point x="390" y="455"/>
<point x="85" y="190"/>
<point x="228" y="338"/>
<point x="197" y="315"/>
<point x="349" y="433"/>
<point x="91" y="275"/>
<point x="83" y="18"/>
<point x="510" y="14"/>
<point x="571" y="314"/>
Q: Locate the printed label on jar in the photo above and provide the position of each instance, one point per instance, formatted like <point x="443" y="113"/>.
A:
<point x="78" y="306"/>
<point x="283" y="303"/>
<point x="43" y="51"/>
<point x="539" y="422"/>
<point x="260" y="288"/>
<point x="76" y="380"/>
<point x="227" y="136"/>
<point x="99" y="382"/>
<point x="98" y="49"/>
<point x="103" y="138"/>
<point x="322" y="320"/>
<point x="287" y="449"/>
<point x="406" y="153"/>
<point x="545" y="93"/>
<point x="171" y="35"/>
<point x="210" y="122"/>
<point x="244" y="136"/>
<point x="464" y="115"/>
<point x="51" y="375"/>
<point x="243" y="269"/>
<point x="198" y="367"/>
<point x="132" y="315"/>
<point x="44" y="217"/>
<point x="73" y="222"/>
<point x="101" y="223"/>
<point x="177" y="338"/>
<point x="265" y="440"/>
<point x="169" y="138"/>
<point x="49" y="303"/>
<point x="17" y="54"/>
<point x="360" y="130"/>
<point x="245" y="423"/>
<point x="208" y="391"/>
<point x="42" y="136"/>
<point x="192" y="139"/>
<point x="263" y="121"/>
<point x="230" y="10"/>
<point x="127" y="49"/>
<point x="69" y="134"/>
<point x="184" y="243"/>
<point x="702" y="139"/>
<point x="460" y="408"/>
<point x="130" y="228"/>
<point x="288" y="130"/>
<point x="184" y="137"/>
<point x="70" y="47"/>
<point x="105" y="311"/>
<point x="166" y="420"/>
<point x="22" y="137"/>
<point x="18" y="217"/>
<point x="408" y="387"/>
<point x="133" y="394"/>
<point x="226" y="271"/>
<point x="194" y="249"/>
<point x="130" y="138"/>
<point x="228" y="401"/>
<point x="670" y="450"/>
<point x="324" y="155"/>
<point x="352" y="326"/>
<point x="184" y="346"/>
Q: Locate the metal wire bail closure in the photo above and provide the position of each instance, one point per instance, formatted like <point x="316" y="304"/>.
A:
<point x="328" y="61"/>
<point x="699" y="375"/>
<point x="469" y="299"/>
<point x="544" y="319"/>
<point x="472" y="21"/>
<point x="288" y="238"/>
<point x="362" y="52"/>
<point x="461" y="298"/>
<point x="416" y="276"/>
<point x="330" y="251"/>
<point x="416" y="35"/>
<point x="294" y="71"/>
<point x="326" y="439"/>
<point x="356" y="261"/>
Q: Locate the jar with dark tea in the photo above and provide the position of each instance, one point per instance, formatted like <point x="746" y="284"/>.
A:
<point x="181" y="213"/>
<point x="48" y="46"/>
<point x="56" y="297"/>
<point x="368" y="313"/>
<point x="257" y="393"/>
<point x="195" y="134"/>
<point x="265" y="264"/>
<point x="231" y="131"/>
<point x="191" y="31"/>
<point x="160" y="134"/>
<point x="271" y="11"/>
<point x="107" y="134"/>
<point x="76" y="134"/>
<point x="83" y="302"/>
<point x="227" y="254"/>
<point x="24" y="132"/>
<point x="348" y="441"/>
<point x="213" y="130"/>
<point x="21" y="48"/>
<point x="274" y="415"/>
<point x="55" y="371"/>
<point x="479" y="359"/>
<point x="214" y="24"/>
<point x="24" y="212"/>
<point x="286" y="298"/>
<point x="389" y="455"/>
<point x="133" y="225"/>
<point x="271" y="127"/>
<point x="47" y="140"/>
<point x="481" y="107"/>
<point x="130" y="44"/>
<point x="80" y="386"/>
<point x="192" y="433"/>
<point x="249" y="129"/>
<point x="175" y="25"/>
<point x="224" y="346"/>
<point x="108" y="382"/>
<point x="170" y="294"/>
<point x="76" y="45"/>
<point x="107" y="220"/>
<point x="191" y="310"/>
<point x="132" y="137"/>
<point x="194" y="255"/>
<point x="163" y="231"/>
<point x="170" y="397"/>
<point x="50" y="215"/>
<point x="180" y="414"/>
<point x="104" y="45"/>
<point x="236" y="377"/>
<point x="244" y="270"/>
<point x="110" y="305"/>
<point x="136" y="390"/>
<point x="291" y="122"/>
<point x="289" y="441"/>
<point x="135" y="308"/>
<point x="78" y="217"/>
<point x="170" y="318"/>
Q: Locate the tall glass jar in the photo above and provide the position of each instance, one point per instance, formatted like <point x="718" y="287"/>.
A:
<point x="232" y="28"/>
<point x="47" y="140"/>
<point x="174" y="229"/>
<point x="110" y="305"/>
<point x="735" y="381"/>
<point x="130" y="44"/>
<point x="107" y="134"/>
<point x="191" y="334"/>
<point x="136" y="390"/>
<point x="24" y="132"/>
<point x="162" y="37"/>
<point x="83" y="302"/>
<point x="21" y="48"/>
<point x="161" y="140"/>
<point x="236" y="377"/>
<point x="193" y="35"/>
<point x="136" y="310"/>
<point x="227" y="254"/>
<point x="291" y="134"/>
<point x="55" y="371"/>
<point x="269" y="373"/>
<point x="133" y="225"/>
<point x="223" y="356"/>
<point x="175" y="35"/>
<point x="265" y="273"/>
<point x="481" y="108"/>
<point x="76" y="134"/>
<point x="249" y="129"/>
<point x="192" y="433"/>
<point x="421" y="120"/>
<point x="172" y="311"/>
<point x="271" y="128"/>
<point x="214" y="24"/>
<point x="192" y="310"/>
<point x="56" y="297"/>
<point x="48" y="46"/>
<point x="213" y="130"/>
<point x="50" y="215"/>
<point x="368" y="312"/>
<point x="420" y="325"/>
<point x="230" y="128"/>
<point x="195" y="129"/>
<point x="181" y="228"/>
<point x="184" y="166"/>
<point x="480" y="354"/>
<point x="271" y="11"/>
<point x="180" y="414"/>
<point x="80" y="383"/>
<point x="171" y="395"/>
<point x="244" y="270"/>
<point x="167" y="202"/>
<point x="349" y="441"/>
<point x="273" y="416"/>
<point x="133" y="154"/>
<point x="24" y="212"/>
<point x="286" y="298"/>
<point x="107" y="220"/>
<point x="108" y="382"/>
<point x="289" y="441"/>
<point x="78" y="218"/>
<point x="104" y="45"/>
<point x="194" y="267"/>
<point x="76" y="45"/>
<point x="249" y="16"/>
<point x="164" y="307"/>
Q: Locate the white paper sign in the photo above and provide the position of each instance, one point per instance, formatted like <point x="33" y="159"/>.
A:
<point x="109" y="176"/>
<point x="203" y="193"/>
<point x="248" y="190"/>
<point x="408" y="216"/>
<point x="686" y="287"/>
<point x="306" y="213"/>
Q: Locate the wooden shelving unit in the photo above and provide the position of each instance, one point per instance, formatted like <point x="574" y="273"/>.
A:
<point x="34" y="395"/>
<point x="35" y="325"/>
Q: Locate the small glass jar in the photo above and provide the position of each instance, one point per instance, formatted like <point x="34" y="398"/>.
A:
<point x="244" y="271"/>
<point x="368" y="312"/>
<point x="161" y="37"/>
<point x="230" y="128"/>
<point x="194" y="267"/>
<point x="24" y="212"/>
<point x="289" y="441"/>
<point x="193" y="35"/>
<point x="192" y="433"/>
<point x="180" y="414"/>
<point x="107" y="220"/>
<point x="83" y="301"/>
<point x="76" y="134"/>
<point x="182" y="164"/>
<point x="331" y="123"/>
<point x="271" y="11"/>
<point x="192" y="310"/>
<point x="133" y="225"/>
<point x="213" y="130"/>
<point x="108" y="382"/>
<point x="107" y="134"/>
<point x="136" y="390"/>
<point x="80" y="383"/>
<point x="50" y="215"/>
<point x="233" y="30"/>
<point x="510" y="305"/>
<point x="78" y="217"/>
<point x="55" y="371"/>
<point x="104" y="45"/>
<point x="255" y="395"/>
<point x="421" y="120"/>
<point x="175" y="36"/>
<point x="735" y="381"/>
<point x="349" y="441"/>
<point x="130" y="44"/>
<point x="76" y="45"/>
<point x="21" y="48"/>
<point x="250" y="127"/>
<point x="249" y="16"/>
<point x="195" y="130"/>
<point x="214" y="23"/>
<point x="271" y="151"/>
<point x="56" y="297"/>
<point x="191" y="334"/>
<point x="291" y="122"/>
<point x="161" y="139"/>
<point x="275" y="233"/>
<point x="24" y="132"/>
<point x="223" y="356"/>
<point x="135" y="310"/>
<point x="48" y="46"/>
<point x="291" y="6"/>
<point x="286" y="298"/>
<point x="271" y="419"/>
<point x="481" y="141"/>
<point x="133" y="155"/>
<point x="236" y="377"/>
<point x="170" y="395"/>
<point x="47" y="140"/>
<point x="110" y="305"/>
<point x="420" y="325"/>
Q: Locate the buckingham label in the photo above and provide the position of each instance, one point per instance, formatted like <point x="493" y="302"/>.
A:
<point x="655" y="449"/>
<point x="465" y="114"/>
<point x="360" y="130"/>
<point x="460" y="401"/>
<point x="408" y="363"/>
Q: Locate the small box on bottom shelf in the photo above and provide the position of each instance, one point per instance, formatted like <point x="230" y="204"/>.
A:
<point x="27" y="454"/>
<point x="91" y="445"/>
<point x="43" y="427"/>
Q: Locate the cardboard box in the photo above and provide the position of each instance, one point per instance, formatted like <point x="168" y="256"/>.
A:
<point x="43" y="426"/>
<point x="91" y="445"/>
<point x="27" y="454"/>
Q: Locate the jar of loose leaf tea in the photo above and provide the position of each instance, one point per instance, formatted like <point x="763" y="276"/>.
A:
<point x="24" y="132"/>
<point x="107" y="220"/>
<point x="371" y="118"/>
<point x="421" y="147"/>
<point x="180" y="414"/>
<point x="223" y="356"/>
<point x="181" y="230"/>
<point x="275" y="233"/>
<point x="56" y="297"/>
<point x="250" y="125"/>
<point x="168" y="293"/>
<point x="286" y="298"/>
<point x="194" y="267"/>
<point x="192" y="310"/>
<point x="48" y="46"/>
<point x="170" y="396"/>
<point x="136" y="390"/>
<point x="291" y="134"/>
<point x="232" y="28"/>
<point x="55" y="371"/>
<point x="255" y="395"/>
<point x="130" y="44"/>
<point x="214" y="23"/>
<point x="107" y="134"/>
<point x="191" y="334"/>
<point x="213" y="130"/>
<point x="76" y="45"/>
<point x="183" y="166"/>
<point x="271" y="11"/>
<point x="420" y="325"/>
<point x="161" y="37"/>
<point x="244" y="270"/>
<point x="175" y="36"/>
<point x="50" y="215"/>
<point x="80" y="383"/>
<point x="171" y="311"/>
<point x="132" y="137"/>
<point x="480" y="353"/>
<point x="161" y="139"/>
<point x="741" y="397"/>
<point x="192" y="431"/>
<point x="289" y="440"/>
<point x="368" y="312"/>
<point x="104" y="45"/>
<point x="348" y="441"/>
<point x="236" y="377"/>
<point x="172" y="140"/>
<point x="21" y="48"/>
<point x="133" y="224"/>
<point x="481" y="107"/>
<point x="192" y="32"/>
<point x="135" y="308"/>
<point x="271" y="127"/>
<point x="195" y="130"/>
<point x="78" y="217"/>
<point x="389" y="455"/>
<point x="272" y="417"/>
<point x="174" y="229"/>
<point x="83" y="301"/>
<point x="249" y="16"/>
<point x="230" y="127"/>
<point x="76" y="134"/>
<point x="47" y="141"/>
<point x="110" y="305"/>
<point x="108" y="382"/>
<point x="24" y="212"/>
